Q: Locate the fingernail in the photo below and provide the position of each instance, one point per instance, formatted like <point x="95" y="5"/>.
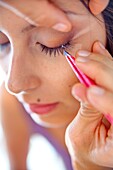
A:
<point x="101" y="46"/>
<point x="97" y="90"/>
<point x="83" y="53"/>
<point x="61" y="27"/>
<point x="75" y="96"/>
<point x="82" y="59"/>
<point x="82" y="56"/>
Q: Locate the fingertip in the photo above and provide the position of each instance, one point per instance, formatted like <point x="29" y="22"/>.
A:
<point x="99" y="47"/>
<point x="63" y="27"/>
<point x="60" y="20"/>
<point x="97" y="6"/>
<point x="79" y="92"/>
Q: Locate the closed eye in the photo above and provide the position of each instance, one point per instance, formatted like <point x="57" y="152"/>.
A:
<point x="56" y="50"/>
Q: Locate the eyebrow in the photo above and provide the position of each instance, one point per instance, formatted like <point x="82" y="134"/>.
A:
<point x="28" y="28"/>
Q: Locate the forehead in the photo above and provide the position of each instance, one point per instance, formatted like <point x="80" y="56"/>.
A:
<point x="9" y="20"/>
<point x="65" y="5"/>
<point x="8" y="16"/>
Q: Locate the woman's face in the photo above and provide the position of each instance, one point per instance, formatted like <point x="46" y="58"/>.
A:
<point x="36" y="70"/>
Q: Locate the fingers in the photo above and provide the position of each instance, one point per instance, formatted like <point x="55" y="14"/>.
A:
<point x="39" y="13"/>
<point x="97" y="6"/>
<point x="99" y="53"/>
<point x="102" y="100"/>
<point x="87" y="116"/>
<point x="79" y="92"/>
<point x="100" y="65"/>
<point x="97" y="66"/>
<point x="99" y="48"/>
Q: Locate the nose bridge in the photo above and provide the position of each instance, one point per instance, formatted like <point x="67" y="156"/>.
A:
<point x="21" y="76"/>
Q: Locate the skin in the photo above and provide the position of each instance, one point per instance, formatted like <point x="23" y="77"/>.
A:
<point x="42" y="85"/>
<point x="97" y="6"/>
<point x="41" y="82"/>
<point x="15" y="122"/>
<point x="96" y="103"/>
<point x="58" y="20"/>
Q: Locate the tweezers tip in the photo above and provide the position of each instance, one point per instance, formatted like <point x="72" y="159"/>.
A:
<point x="66" y="53"/>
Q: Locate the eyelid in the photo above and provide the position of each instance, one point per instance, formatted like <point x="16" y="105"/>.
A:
<point x="50" y="37"/>
<point x="57" y="50"/>
<point x="56" y="44"/>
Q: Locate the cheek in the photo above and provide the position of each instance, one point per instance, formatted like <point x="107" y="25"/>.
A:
<point x="89" y="29"/>
<point x="86" y="41"/>
<point x="61" y="77"/>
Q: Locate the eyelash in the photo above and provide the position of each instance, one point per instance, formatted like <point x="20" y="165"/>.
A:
<point x="55" y="51"/>
<point x="51" y="51"/>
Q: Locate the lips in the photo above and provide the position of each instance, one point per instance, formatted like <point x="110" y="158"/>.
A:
<point x="42" y="108"/>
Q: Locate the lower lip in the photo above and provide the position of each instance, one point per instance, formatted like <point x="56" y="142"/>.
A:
<point x="42" y="109"/>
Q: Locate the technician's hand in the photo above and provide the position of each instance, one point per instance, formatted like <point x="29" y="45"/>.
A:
<point x="40" y="13"/>
<point x="44" y="13"/>
<point x="89" y="137"/>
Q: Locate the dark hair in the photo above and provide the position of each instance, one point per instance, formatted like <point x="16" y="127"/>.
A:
<point x="108" y="18"/>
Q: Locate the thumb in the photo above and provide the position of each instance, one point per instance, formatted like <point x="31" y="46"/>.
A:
<point x="39" y="13"/>
<point x="99" y="48"/>
<point x="88" y="117"/>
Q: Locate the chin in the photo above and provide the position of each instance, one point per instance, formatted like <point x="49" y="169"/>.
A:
<point x="49" y="124"/>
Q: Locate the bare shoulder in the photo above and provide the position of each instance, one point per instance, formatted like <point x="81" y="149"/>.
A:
<point x="6" y="99"/>
<point x="12" y="111"/>
<point x="15" y="127"/>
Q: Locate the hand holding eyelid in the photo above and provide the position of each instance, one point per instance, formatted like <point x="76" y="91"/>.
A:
<point x="51" y="17"/>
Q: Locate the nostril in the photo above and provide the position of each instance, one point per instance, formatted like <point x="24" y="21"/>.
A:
<point x="12" y="88"/>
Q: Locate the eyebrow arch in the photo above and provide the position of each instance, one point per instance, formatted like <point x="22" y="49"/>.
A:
<point x="28" y="28"/>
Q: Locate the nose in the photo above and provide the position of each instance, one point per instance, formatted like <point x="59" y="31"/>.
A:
<point x="22" y="76"/>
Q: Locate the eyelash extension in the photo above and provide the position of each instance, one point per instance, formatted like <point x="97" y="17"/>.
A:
<point x="55" y="51"/>
<point x="52" y="51"/>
